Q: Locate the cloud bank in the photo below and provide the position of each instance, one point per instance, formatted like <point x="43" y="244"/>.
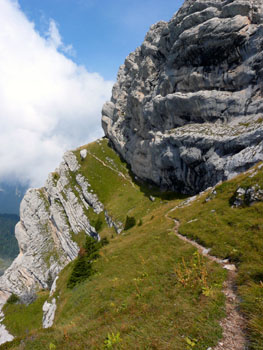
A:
<point x="48" y="104"/>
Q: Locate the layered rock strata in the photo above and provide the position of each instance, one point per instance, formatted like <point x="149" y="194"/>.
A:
<point x="186" y="111"/>
<point x="51" y="218"/>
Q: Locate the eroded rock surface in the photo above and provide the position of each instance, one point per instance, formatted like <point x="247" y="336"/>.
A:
<point x="5" y="336"/>
<point x="49" y="310"/>
<point x="51" y="218"/>
<point x="247" y="196"/>
<point x="186" y="111"/>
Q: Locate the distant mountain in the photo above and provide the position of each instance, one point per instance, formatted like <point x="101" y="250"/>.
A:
<point x="8" y="243"/>
<point x="10" y="197"/>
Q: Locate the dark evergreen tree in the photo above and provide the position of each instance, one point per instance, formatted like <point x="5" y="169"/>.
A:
<point x="83" y="264"/>
<point x="129" y="223"/>
<point x="81" y="271"/>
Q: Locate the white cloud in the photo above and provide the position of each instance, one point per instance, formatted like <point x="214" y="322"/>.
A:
<point x="54" y="39"/>
<point x="48" y="104"/>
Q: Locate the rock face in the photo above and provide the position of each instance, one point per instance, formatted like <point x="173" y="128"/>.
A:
<point x="5" y="336"/>
<point x="186" y="111"/>
<point x="51" y="219"/>
<point x="247" y="196"/>
<point x="49" y="310"/>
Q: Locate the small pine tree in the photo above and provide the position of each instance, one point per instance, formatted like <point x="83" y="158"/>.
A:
<point x="104" y="242"/>
<point x="129" y="223"/>
<point x="92" y="247"/>
<point x="81" y="271"/>
<point x="98" y="225"/>
<point x="83" y="264"/>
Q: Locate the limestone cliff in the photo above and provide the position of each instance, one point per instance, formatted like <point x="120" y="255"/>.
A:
<point x="52" y="221"/>
<point x="186" y="111"/>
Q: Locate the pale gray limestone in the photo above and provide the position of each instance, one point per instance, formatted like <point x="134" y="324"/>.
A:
<point x="50" y="217"/>
<point x="186" y="110"/>
<point x="49" y="310"/>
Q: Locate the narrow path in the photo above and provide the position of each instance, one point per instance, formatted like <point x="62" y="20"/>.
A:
<point x="234" y="323"/>
<point x="108" y="166"/>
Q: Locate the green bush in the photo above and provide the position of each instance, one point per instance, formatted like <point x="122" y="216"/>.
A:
<point x="129" y="223"/>
<point x="104" y="242"/>
<point x="91" y="247"/>
<point x="81" y="271"/>
<point x="13" y="299"/>
<point x="111" y="340"/>
<point x="98" y="225"/>
<point x="83" y="264"/>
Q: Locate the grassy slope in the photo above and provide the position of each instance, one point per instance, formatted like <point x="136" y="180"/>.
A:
<point x="237" y="234"/>
<point x="151" y="287"/>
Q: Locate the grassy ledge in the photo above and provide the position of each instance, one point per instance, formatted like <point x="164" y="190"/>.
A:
<point x="150" y="290"/>
<point x="237" y="234"/>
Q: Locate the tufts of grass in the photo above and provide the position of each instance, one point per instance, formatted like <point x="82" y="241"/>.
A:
<point x="149" y="289"/>
<point x="21" y="319"/>
<point x="118" y="193"/>
<point x="136" y="293"/>
<point x="236" y="234"/>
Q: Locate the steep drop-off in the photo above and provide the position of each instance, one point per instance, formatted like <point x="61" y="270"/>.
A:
<point x="186" y="111"/>
<point x="185" y="114"/>
<point x="134" y="290"/>
<point x="151" y="290"/>
<point x="53" y="223"/>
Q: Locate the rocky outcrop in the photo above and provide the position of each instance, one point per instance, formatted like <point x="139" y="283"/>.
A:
<point x="186" y="111"/>
<point x="49" y="310"/>
<point x="5" y="336"/>
<point x="51" y="218"/>
<point x="247" y="196"/>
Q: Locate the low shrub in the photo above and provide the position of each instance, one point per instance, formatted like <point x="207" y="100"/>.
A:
<point x="129" y="223"/>
<point x="13" y="299"/>
<point x="83" y="264"/>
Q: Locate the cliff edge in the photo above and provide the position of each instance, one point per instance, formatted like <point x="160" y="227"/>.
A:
<point x="186" y="111"/>
<point x="54" y="221"/>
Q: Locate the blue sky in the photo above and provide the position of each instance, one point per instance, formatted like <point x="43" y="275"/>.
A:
<point x="58" y="62"/>
<point x="102" y="32"/>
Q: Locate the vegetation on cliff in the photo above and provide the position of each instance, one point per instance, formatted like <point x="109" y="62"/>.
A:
<point x="150" y="290"/>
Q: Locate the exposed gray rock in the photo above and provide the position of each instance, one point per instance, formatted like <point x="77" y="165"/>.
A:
<point x="118" y="226"/>
<point x="211" y="195"/>
<point x="83" y="153"/>
<point x="247" y="196"/>
<point x="53" y="287"/>
<point x="50" y="220"/>
<point x="90" y="198"/>
<point x="5" y="336"/>
<point x="71" y="161"/>
<point x="49" y="310"/>
<point x="186" y="111"/>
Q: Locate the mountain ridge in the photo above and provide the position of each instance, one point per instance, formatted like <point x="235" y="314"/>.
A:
<point x="185" y="111"/>
<point x="182" y="117"/>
